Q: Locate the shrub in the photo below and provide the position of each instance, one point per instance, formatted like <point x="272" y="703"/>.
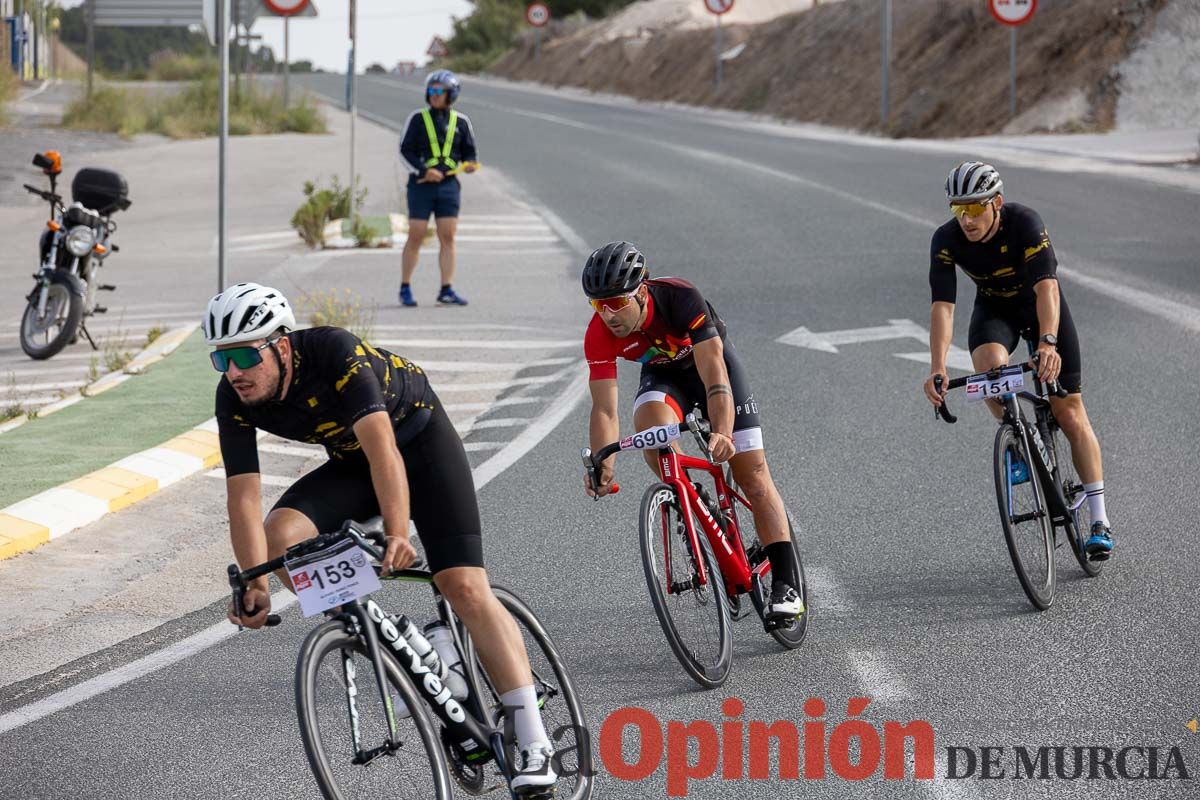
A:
<point x="343" y="309"/>
<point x="169" y="66"/>
<point x="322" y="205"/>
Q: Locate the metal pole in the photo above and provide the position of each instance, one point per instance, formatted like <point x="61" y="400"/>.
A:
<point x="718" y="51"/>
<point x="237" y="48"/>
<point x="287" y="75"/>
<point x="353" y="99"/>
<point x="537" y="44"/>
<point x="91" y="43"/>
<point x="223" y="138"/>
<point x="886" y="68"/>
<point x="1012" y="72"/>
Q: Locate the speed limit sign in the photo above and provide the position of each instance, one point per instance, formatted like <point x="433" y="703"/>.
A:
<point x="1012" y="12"/>
<point x="718" y="7"/>
<point x="537" y="14"/>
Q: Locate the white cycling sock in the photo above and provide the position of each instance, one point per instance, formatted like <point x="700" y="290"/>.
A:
<point x="1095" y="499"/>
<point x="522" y="707"/>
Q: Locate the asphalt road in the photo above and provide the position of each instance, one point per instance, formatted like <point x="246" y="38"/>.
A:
<point x="915" y="601"/>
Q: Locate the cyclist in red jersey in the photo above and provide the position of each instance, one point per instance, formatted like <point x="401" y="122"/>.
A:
<point x="666" y="325"/>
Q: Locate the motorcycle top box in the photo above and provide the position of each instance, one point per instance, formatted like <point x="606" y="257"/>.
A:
<point x="100" y="189"/>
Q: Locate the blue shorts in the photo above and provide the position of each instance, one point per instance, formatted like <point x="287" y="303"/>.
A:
<point x="439" y="199"/>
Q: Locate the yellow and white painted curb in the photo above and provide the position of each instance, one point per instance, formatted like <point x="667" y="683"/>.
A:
<point x="58" y="511"/>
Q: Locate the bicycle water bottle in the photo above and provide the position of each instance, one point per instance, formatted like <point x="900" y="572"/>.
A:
<point x="442" y="639"/>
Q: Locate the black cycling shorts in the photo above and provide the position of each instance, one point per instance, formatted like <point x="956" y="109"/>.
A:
<point x="441" y="494"/>
<point x="683" y="389"/>
<point x="992" y="323"/>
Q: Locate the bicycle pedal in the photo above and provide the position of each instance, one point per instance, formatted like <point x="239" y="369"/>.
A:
<point x="539" y="793"/>
<point x="100" y="310"/>
<point x="106" y="287"/>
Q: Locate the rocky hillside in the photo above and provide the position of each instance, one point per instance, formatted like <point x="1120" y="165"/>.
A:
<point x="949" y="76"/>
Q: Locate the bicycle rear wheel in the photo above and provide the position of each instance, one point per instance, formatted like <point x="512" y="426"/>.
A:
<point x="333" y="669"/>
<point x="1079" y="524"/>
<point x="694" y="617"/>
<point x="562" y="713"/>
<point x="1025" y="518"/>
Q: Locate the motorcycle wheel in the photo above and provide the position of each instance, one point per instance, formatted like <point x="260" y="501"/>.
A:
<point x="43" y="337"/>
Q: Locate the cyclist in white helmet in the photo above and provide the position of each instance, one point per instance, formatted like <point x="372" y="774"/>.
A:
<point x="393" y="452"/>
<point x="1005" y="249"/>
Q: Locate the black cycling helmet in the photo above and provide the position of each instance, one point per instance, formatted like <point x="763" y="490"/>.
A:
<point x="614" y="269"/>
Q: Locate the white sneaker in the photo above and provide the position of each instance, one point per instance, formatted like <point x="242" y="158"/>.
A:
<point x="537" y="770"/>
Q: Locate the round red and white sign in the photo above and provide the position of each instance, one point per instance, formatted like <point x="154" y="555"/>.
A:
<point x="718" y="7"/>
<point x="537" y="14"/>
<point x="286" y="8"/>
<point x="1012" y="12"/>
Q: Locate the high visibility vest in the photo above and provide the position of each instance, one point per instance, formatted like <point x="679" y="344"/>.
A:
<point x="440" y="155"/>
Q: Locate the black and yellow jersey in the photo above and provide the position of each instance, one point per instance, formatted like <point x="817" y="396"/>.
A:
<point x="337" y="378"/>
<point x="1004" y="268"/>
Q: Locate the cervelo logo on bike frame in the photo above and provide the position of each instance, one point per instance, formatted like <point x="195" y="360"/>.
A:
<point x="352" y="696"/>
<point x="430" y="682"/>
<point x="652" y="438"/>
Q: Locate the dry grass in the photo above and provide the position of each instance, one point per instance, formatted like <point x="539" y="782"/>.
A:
<point x="340" y="309"/>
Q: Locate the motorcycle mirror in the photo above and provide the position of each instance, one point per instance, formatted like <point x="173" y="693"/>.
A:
<point x="50" y="162"/>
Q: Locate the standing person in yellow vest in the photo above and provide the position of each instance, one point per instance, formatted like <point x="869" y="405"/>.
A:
<point x="437" y="142"/>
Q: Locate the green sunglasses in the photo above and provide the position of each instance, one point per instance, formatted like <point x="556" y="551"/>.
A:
<point x="242" y="357"/>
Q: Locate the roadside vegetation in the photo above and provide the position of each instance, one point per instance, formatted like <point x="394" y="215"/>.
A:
<point x="321" y="206"/>
<point x="191" y="113"/>
<point x="342" y="309"/>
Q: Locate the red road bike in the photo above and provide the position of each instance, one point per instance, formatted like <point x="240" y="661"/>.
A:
<point x="694" y="609"/>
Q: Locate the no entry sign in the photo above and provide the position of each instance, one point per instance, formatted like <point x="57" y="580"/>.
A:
<point x="718" y="7"/>
<point x="537" y="14"/>
<point x="1012" y="12"/>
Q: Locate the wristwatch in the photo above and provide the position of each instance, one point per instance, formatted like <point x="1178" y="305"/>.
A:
<point x="1050" y="339"/>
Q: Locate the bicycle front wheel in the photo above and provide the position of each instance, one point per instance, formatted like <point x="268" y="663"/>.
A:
<point x="694" y="617"/>
<point x="337" y="699"/>
<point x="562" y="713"/>
<point x="1028" y="529"/>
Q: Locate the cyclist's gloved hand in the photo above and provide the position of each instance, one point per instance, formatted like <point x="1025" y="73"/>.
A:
<point x="720" y="447"/>
<point x="255" y="605"/>
<point x="606" y="482"/>
<point x="931" y="394"/>
<point x="1049" y="363"/>
<point x="399" y="554"/>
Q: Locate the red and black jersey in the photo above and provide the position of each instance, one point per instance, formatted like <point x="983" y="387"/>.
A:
<point x="677" y="319"/>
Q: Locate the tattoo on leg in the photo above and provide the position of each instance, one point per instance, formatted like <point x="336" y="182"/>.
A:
<point x="719" y="388"/>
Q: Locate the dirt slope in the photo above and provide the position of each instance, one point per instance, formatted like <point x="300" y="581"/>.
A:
<point x="949" y="73"/>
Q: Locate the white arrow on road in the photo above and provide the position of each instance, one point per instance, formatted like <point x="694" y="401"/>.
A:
<point x="827" y="342"/>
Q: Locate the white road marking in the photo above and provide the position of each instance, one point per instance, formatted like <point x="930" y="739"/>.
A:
<point x="463" y="326"/>
<point x="37" y="387"/>
<point x="1181" y="314"/>
<point x="879" y="681"/>
<point x="490" y="366"/>
<point x="825" y="342"/>
<point x="472" y="447"/>
<point x="131" y="671"/>
<point x="291" y="450"/>
<point x="508" y="401"/>
<point x="956" y="358"/>
<point x="267" y="480"/>
<point x="509" y="422"/>
<point x="494" y="385"/>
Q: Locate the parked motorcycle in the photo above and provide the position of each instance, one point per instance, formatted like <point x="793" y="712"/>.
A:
<point x="74" y="245"/>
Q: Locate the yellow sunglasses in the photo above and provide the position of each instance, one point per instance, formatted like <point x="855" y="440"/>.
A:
<point x="969" y="209"/>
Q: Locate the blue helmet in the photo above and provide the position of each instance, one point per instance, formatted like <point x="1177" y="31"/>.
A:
<point x="447" y="79"/>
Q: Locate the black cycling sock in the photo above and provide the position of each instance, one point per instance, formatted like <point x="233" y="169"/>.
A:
<point x="404" y="285"/>
<point x="783" y="563"/>
<point x="445" y="287"/>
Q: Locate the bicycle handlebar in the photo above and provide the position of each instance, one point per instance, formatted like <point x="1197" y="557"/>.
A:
<point x="943" y="410"/>
<point x="373" y="542"/>
<point x="592" y="462"/>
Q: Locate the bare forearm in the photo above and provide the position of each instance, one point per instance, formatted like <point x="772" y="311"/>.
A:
<point x="247" y="535"/>
<point x="941" y="331"/>
<point x="603" y="428"/>
<point x="391" y="487"/>
<point x="1047" y="307"/>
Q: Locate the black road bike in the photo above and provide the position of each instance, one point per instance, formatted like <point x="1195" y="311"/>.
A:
<point x="424" y="733"/>
<point x="1037" y="489"/>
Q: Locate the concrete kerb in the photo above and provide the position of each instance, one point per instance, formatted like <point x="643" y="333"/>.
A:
<point x="56" y="512"/>
<point x="156" y="351"/>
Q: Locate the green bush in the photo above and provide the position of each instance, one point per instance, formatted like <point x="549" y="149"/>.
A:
<point x="323" y="205"/>
<point x="192" y="113"/>
<point x="168" y="66"/>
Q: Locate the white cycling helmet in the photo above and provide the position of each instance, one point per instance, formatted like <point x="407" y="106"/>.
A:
<point x="245" y="312"/>
<point x="972" y="181"/>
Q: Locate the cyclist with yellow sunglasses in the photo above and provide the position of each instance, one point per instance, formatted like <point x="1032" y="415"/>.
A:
<point x="1005" y="249"/>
